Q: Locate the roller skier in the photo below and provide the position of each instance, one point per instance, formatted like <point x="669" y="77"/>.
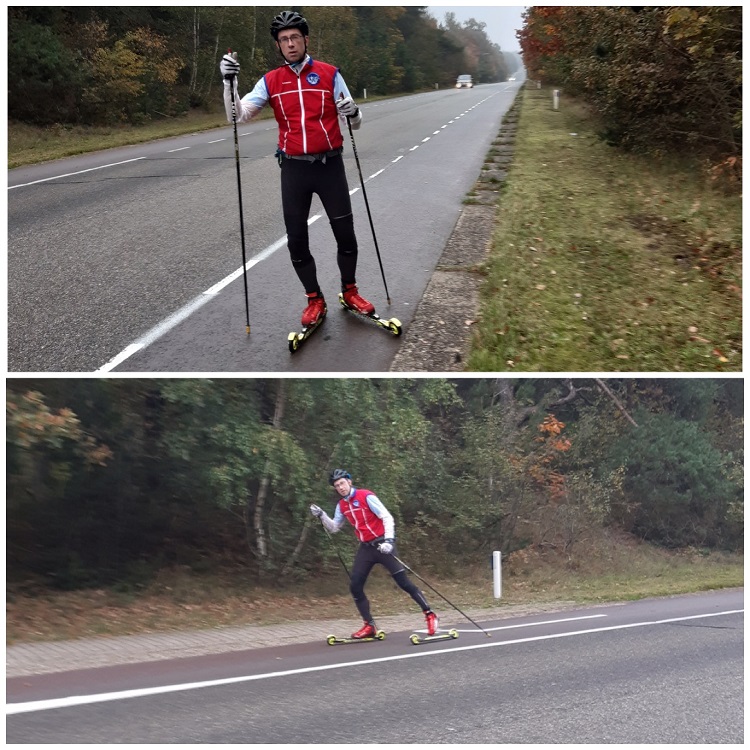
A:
<point x="310" y="100"/>
<point x="374" y="526"/>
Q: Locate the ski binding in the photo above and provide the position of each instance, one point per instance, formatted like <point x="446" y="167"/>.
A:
<point x="333" y="640"/>
<point x="417" y="639"/>
<point x="297" y="339"/>
<point x="392" y="325"/>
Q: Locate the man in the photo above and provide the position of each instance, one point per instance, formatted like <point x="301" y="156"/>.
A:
<point x="309" y="99"/>
<point x="375" y="529"/>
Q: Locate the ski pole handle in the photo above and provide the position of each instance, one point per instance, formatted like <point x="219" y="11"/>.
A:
<point x="234" y="56"/>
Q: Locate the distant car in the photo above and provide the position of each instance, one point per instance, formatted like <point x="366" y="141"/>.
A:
<point x="512" y="78"/>
<point x="464" y="82"/>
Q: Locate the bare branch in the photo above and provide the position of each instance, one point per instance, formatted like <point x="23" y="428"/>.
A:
<point x="606" y="389"/>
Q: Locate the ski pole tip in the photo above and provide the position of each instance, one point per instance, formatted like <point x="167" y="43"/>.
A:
<point x="247" y="329"/>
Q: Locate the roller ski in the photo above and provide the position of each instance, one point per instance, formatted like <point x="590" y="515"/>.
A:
<point x="366" y="634"/>
<point x="417" y="639"/>
<point x="313" y="315"/>
<point x="351" y="300"/>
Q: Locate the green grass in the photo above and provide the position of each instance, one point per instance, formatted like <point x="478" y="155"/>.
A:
<point x="605" y="261"/>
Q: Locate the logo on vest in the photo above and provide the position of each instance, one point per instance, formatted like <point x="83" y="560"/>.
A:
<point x="313" y="79"/>
<point x="355" y="503"/>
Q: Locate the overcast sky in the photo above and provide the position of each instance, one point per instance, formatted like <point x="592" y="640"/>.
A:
<point x="502" y="21"/>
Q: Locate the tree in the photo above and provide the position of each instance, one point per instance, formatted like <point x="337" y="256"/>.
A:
<point x="676" y="481"/>
<point x="45" y="77"/>
<point x="109" y="481"/>
<point x="131" y="80"/>
<point x="659" y="78"/>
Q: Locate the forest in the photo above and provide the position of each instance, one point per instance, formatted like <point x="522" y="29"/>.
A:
<point x="112" y="480"/>
<point x="662" y="79"/>
<point x="95" y="65"/>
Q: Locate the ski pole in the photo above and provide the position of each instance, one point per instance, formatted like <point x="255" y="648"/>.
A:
<point x="335" y="547"/>
<point x="367" y="206"/>
<point x="232" y="79"/>
<point x="401" y="562"/>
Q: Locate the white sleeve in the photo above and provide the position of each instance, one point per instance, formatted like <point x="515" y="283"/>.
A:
<point x="333" y="524"/>
<point x="249" y="105"/>
<point x="341" y="89"/>
<point x="382" y="512"/>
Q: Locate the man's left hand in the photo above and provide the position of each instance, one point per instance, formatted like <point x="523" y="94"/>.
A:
<point x="347" y="107"/>
<point x="386" y="546"/>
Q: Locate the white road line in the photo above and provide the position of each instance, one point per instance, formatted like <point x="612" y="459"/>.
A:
<point x="195" y="304"/>
<point x="373" y="176"/>
<point x="72" y="174"/>
<point x="414" y="148"/>
<point x="398" y="158"/>
<point x="184" y="148"/>
<point x="80" y="700"/>
<point x="219" y="141"/>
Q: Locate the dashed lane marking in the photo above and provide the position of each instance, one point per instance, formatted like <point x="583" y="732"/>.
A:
<point x="184" y="312"/>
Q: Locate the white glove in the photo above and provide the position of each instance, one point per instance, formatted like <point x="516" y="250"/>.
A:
<point x="229" y="66"/>
<point x="347" y="107"/>
<point x="386" y="546"/>
<point x="316" y="511"/>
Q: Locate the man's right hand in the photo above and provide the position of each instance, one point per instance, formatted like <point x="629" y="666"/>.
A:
<point x="316" y="511"/>
<point x="229" y="67"/>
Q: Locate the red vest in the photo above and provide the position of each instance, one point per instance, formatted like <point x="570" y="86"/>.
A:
<point x="366" y="524"/>
<point x="305" y="109"/>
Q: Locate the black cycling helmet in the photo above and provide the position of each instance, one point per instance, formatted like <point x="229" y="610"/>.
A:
<point x="289" y="19"/>
<point x="337" y="474"/>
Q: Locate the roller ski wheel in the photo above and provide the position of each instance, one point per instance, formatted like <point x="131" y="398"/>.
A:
<point x="333" y="640"/>
<point x="296" y="340"/>
<point x="392" y="325"/>
<point x="417" y="639"/>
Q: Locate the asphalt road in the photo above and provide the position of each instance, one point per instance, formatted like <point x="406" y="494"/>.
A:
<point x="655" y="671"/>
<point x="124" y="259"/>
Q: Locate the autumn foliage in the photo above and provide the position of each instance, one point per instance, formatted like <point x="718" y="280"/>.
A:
<point x="542" y="469"/>
<point x="110" y="64"/>
<point x="666" y="78"/>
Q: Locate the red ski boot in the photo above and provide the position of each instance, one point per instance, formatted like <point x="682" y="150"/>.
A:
<point x="367" y="631"/>
<point x="432" y="622"/>
<point x="315" y="310"/>
<point x="355" y="301"/>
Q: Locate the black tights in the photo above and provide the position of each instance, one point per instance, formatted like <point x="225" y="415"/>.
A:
<point x="366" y="558"/>
<point x="299" y="180"/>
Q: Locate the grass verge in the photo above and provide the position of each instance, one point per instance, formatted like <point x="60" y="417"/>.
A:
<point x="28" y="144"/>
<point x="607" y="261"/>
<point x="182" y="600"/>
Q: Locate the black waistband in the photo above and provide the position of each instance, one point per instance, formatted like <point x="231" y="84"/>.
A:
<point x="315" y="157"/>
